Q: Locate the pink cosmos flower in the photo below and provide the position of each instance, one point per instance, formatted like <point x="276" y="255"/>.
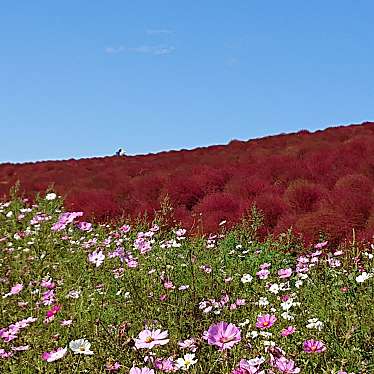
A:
<point x="149" y="339"/>
<point x="249" y="366"/>
<point x="21" y="348"/>
<point x="4" y="354"/>
<point x="65" y="219"/>
<point x="54" y="355"/>
<point x="16" y="289"/>
<point x="113" y="366"/>
<point x="96" y="257"/>
<point x="285" y="273"/>
<point x="206" y="268"/>
<point x="286" y="366"/>
<point x="169" y="285"/>
<point x="263" y="274"/>
<point x="166" y="365"/>
<point x="66" y="322"/>
<point x="321" y="245"/>
<point x="265" y="265"/>
<point x="84" y="226"/>
<point x="265" y="321"/>
<point x="223" y="335"/>
<point x="314" y="346"/>
<point x="48" y="283"/>
<point x="288" y="331"/>
<point x="125" y="228"/>
<point x="180" y="232"/>
<point x="136" y="370"/>
<point x="189" y="344"/>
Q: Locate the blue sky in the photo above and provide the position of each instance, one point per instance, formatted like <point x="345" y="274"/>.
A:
<point x="82" y="78"/>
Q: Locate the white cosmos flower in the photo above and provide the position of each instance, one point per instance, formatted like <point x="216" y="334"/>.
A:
<point x="50" y="196"/>
<point x="187" y="361"/>
<point x="363" y="277"/>
<point x="263" y="301"/>
<point x="286" y="315"/>
<point x="314" y="323"/>
<point x="246" y="278"/>
<point x="274" y="288"/>
<point x="81" y="346"/>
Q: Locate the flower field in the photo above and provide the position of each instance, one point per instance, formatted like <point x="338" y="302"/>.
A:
<point x="148" y="298"/>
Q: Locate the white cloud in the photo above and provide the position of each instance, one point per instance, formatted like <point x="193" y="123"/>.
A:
<point x="159" y="31"/>
<point x="156" y="50"/>
<point x="114" y="50"/>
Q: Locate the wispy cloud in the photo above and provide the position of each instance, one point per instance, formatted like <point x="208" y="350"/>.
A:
<point x="114" y="50"/>
<point x="156" y="50"/>
<point x="159" y="31"/>
<point x="232" y="61"/>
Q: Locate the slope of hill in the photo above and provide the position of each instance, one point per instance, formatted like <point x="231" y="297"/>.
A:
<point x="315" y="182"/>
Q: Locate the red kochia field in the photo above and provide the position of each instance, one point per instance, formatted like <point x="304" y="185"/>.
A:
<point x="316" y="183"/>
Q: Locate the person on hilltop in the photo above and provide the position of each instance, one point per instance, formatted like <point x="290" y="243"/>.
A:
<point x="120" y="152"/>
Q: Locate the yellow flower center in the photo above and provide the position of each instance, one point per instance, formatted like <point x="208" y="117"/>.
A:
<point x="149" y="339"/>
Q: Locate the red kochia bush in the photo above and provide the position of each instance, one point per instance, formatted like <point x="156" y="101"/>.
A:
<point x="272" y="207"/>
<point x="217" y="207"/>
<point x="329" y="222"/>
<point x="353" y="197"/>
<point x="304" y="196"/>
<point x="97" y="205"/>
<point x="184" y="190"/>
<point x="314" y="182"/>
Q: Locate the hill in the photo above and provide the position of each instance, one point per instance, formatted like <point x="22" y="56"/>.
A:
<point x="315" y="182"/>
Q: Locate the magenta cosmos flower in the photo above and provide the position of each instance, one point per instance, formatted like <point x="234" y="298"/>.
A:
<point x="265" y="321"/>
<point x="223" y="335"/>
<point x="314" y="346"/>
<point x="149" y="339"/>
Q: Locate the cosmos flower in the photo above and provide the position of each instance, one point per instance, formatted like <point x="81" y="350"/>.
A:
<point x="81" y="346"/>
<point x="187" y="361"/>
<point x="314" y="346"/>
<point x="265" y="321"/>
<point x="84" y="226"/>
<point x="113" y="366"/>
<point x="136" y="370"/>
<point x="288" y="331"/>
<point x="285" y="273"/>
<point x="54" y="355"/>
<point x="50" y="196"/>
<point x="149" y="339"/>
<point x="16" y="289"/>
<point x="96" y="257"/>
<point x="286" y="366"/>
<point x="223" y="335"/>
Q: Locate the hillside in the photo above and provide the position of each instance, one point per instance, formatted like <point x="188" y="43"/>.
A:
<point x="315" y="182"/>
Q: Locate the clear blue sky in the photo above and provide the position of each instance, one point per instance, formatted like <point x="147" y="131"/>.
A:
<point x="80" y="78"/>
